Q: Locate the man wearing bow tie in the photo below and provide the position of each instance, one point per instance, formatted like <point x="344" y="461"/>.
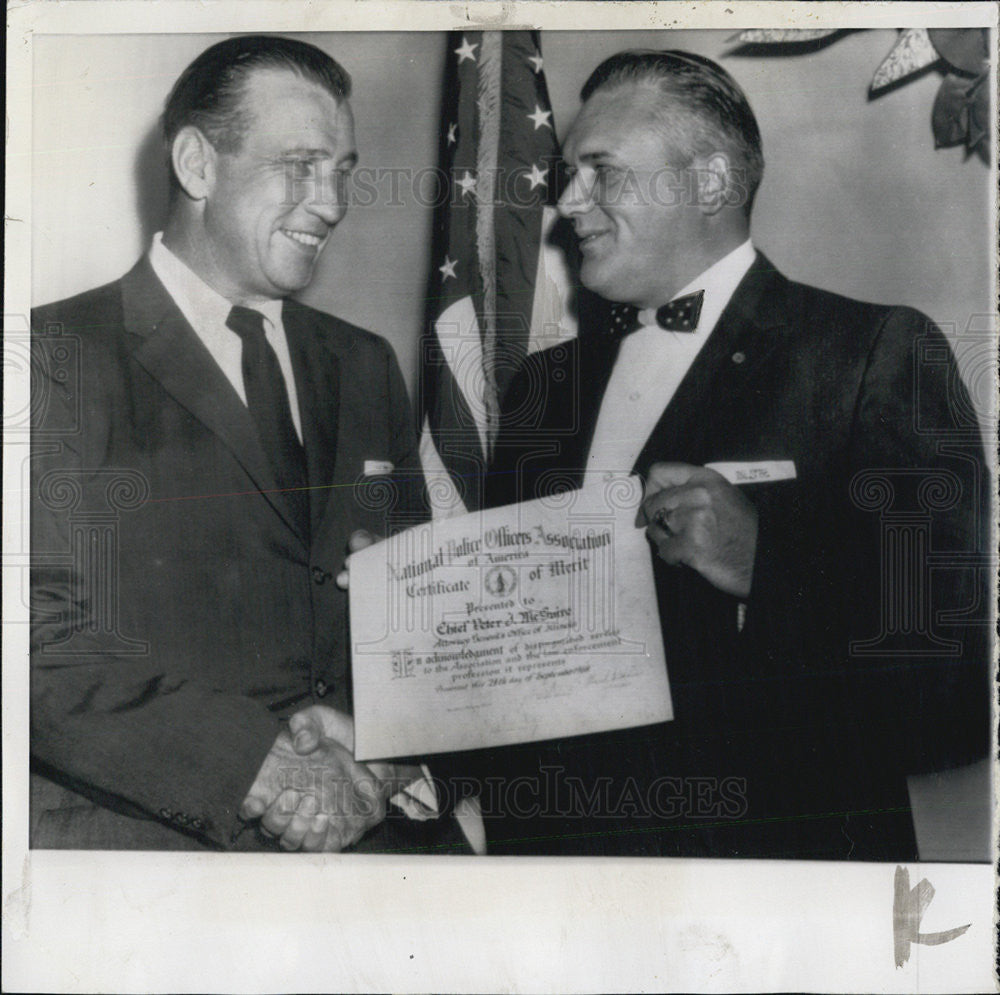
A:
<point x="816" y="658"/>
<point x="196" y="494"/>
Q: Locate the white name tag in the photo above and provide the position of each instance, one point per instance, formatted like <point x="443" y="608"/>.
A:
<point x="377" y="467"/>
<point x="755" y="473"/>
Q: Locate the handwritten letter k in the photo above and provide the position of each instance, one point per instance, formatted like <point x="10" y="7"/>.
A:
<point x="908" y="909"/>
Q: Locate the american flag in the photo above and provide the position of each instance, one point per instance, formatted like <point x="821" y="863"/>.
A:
<point x="498" y="288"/>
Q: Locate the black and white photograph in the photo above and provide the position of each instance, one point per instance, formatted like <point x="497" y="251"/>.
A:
<point x="522" y="473"/>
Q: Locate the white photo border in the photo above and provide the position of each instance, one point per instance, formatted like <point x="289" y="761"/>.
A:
<point x="76" y="921"/>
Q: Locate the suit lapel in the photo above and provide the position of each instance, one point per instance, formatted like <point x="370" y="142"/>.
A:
<point x="582" y="378"/>
<point x="317" y="379"/>
<point x="597" y="360"/>
<point x="707" y="405"/>
<point x="171" y="352"/>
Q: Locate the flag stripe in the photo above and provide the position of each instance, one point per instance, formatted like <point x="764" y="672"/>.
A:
<point x="490" y="76"/>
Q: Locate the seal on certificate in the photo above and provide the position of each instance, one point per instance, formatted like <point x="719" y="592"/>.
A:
<point x="500" y="581"/>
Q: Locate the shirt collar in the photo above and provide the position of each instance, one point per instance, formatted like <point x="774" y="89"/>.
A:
<point x="719" y="282"/>
<point x="195" y="297"/>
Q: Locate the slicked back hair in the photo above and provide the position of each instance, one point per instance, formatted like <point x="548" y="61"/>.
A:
<point x="209" y="93"/>
<point x="715" y="115"/>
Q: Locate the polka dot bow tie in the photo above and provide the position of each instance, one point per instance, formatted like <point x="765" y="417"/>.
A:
<point x="680" y="315"/>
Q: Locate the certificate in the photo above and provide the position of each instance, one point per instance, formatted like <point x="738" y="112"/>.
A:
<point x="529" y="622"/>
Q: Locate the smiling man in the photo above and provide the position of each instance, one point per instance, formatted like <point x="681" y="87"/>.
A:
<point x="230" y="437"/>
<point x="815" y="658"/>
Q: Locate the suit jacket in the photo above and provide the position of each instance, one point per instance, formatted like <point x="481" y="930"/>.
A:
<point x="178" y="614"/>
<point x="863" y="656"/>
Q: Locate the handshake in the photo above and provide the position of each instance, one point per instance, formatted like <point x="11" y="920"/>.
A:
<point x="311" y="794"/>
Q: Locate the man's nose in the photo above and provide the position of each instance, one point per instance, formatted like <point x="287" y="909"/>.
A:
<point x="576" y="198"/>
<point x="327" y="201"/>
<point x="329" y="211"/>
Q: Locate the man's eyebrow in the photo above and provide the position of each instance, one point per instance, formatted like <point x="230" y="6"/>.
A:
<point x="305" y="152"/>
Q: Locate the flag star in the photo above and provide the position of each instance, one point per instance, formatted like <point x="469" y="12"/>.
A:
<point x="466" y="51"/>
<point x="540" y="117"/>
<point x="468" y="184"/>
<point x="452" y="133"/>
<point x="537" y="176"/>
<point x="536" y="61"/>
<point x="448" y="269"/>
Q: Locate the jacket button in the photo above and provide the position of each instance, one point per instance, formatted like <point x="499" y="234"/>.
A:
<point x="320" y="576"/>
<point x="739" y="357"/>
<point x="321" y="689"/>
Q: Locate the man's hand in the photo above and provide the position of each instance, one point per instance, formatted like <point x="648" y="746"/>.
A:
<point x="359" y="540"/>
<point x="310" y="726"/>
<point x="310" y="792"/>
<point x="696" y="517"/>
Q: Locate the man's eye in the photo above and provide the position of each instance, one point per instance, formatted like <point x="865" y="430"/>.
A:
<point x="301" y="169"/>
<point x="608" y="178"/>
<point x="340" y="178"/>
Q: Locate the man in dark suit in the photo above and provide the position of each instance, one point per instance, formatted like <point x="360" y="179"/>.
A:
<point x="197" y="487"/>
<point x="816" y="504"/>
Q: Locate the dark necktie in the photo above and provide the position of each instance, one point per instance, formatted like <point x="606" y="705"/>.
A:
<point x="679" y="315"/>
<point x="267" y="399"/>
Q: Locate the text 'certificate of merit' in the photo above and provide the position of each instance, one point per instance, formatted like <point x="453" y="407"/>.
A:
<point x="529" y="622"/>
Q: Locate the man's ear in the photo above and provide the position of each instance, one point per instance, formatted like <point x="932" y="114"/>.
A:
<point x="193" y="157"/>
<point x="715" y="177"/>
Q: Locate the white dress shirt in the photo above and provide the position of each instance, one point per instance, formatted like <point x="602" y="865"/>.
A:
<point x="206" y="312"/>
<point x="650" y="366"/>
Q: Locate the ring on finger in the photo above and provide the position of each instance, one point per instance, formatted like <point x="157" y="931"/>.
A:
<point x="661" y="519"/>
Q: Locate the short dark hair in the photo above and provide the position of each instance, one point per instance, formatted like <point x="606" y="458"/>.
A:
<point x="718" y="116"/>
<point x="209" y="92"/>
